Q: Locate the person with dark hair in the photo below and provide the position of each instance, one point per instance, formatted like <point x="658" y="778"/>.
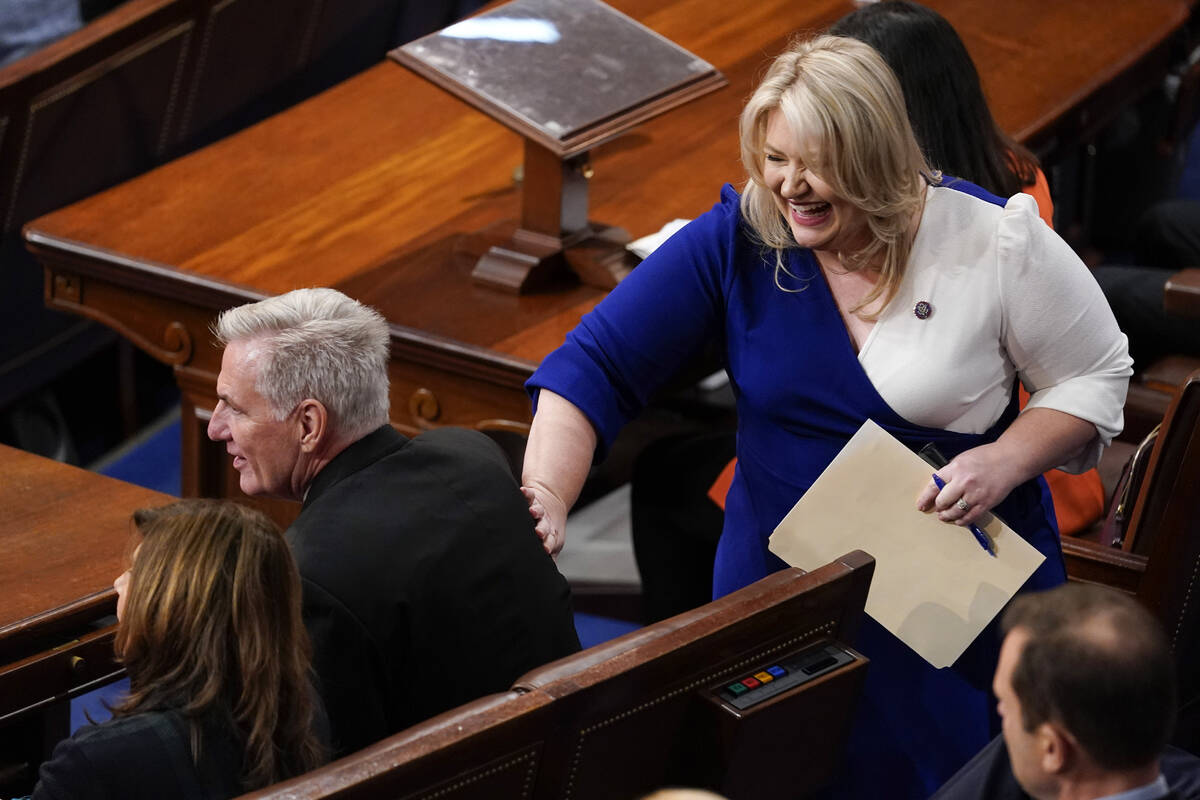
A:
<point x="943" y="95"/>
<point x="220" y="700"/>
<point x="847" y="282"/>
<point x="1087" y="694"/>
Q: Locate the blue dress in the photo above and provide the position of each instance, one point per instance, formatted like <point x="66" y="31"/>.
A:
<point x="801" y="394"/>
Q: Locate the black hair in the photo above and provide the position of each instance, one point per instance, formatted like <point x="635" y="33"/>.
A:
<point x="946" y="106"/>
<point x="1097" y="663"/>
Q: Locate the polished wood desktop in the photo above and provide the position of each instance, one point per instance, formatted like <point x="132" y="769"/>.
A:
<point x="64" y="537"/>
<point x="389" y="189"/>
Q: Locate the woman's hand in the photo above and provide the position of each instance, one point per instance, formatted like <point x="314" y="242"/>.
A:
<point x="1038" y="439"/>
<point x="550" y="516"/>
<point x="558" y="454"/>
<point x="980" y="478"/>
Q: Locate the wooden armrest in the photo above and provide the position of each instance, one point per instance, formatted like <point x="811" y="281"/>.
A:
<point x="1092" y="562"/>
<point x="1181" y="296"/>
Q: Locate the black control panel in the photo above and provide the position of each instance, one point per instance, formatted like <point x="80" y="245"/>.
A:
<point x="775" y="678"/>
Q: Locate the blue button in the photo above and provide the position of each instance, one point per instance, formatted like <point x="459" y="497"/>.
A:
<point x="777" y="671"/>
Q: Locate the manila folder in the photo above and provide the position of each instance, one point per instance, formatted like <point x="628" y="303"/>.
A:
<point x="935" y="587"/>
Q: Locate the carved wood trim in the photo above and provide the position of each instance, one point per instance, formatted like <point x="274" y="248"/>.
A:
<point x="408" y="344"/>
<point x="512" y="426"/>
<point x="424" y="408"/>
<point x="140" y="275"/>
<point x="66" y="293"/>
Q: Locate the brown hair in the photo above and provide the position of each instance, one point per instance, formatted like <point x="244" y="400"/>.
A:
<point x="212" y="624"/>
<point x="1097" y="663"/>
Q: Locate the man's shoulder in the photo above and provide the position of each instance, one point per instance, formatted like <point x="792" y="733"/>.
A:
<point x="448" y="452"/>
<point x="458" y="440"/>
<point x="447" y="473"/>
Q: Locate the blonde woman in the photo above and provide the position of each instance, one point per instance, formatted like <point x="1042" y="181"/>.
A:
<point x="210" y="632"/>
<point x="847" y="283"/>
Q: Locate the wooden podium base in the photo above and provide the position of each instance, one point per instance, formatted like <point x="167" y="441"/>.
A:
<point x="528" y="261"/>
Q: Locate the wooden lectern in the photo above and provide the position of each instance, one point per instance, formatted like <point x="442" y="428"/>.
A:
<point x="566" y="75"/>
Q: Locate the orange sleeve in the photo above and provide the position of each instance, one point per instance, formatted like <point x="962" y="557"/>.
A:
<point x="720" y="486"/>
<point x="1040" y="190"/>
<point x="1078" y="499"/>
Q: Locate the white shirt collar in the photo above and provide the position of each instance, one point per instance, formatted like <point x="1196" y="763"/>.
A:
<point x="1151" y="791"/>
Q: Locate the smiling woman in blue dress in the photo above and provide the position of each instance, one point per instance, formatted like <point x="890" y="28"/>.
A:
<point x="849" y="281"/>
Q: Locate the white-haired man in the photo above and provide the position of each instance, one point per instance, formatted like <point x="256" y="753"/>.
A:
<point x="424" y="583"/>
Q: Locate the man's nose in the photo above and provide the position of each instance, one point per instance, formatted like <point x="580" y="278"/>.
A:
<point x="216" y="425"/>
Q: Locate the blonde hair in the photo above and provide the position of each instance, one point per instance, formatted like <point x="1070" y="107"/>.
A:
<point x="212" y="624"/>
<point x="840" y="98"/>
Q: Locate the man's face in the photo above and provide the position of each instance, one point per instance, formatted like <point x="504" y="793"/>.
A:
<point x="266" y="451"/>
<point x="1022" y="745"/>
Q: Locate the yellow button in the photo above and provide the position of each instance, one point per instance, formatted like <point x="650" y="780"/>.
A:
<point x="765" y="677"/>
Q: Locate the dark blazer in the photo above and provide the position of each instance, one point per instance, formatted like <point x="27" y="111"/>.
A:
<point x="425" y="585"/>
<point x="142" y="757"/>
<point x="989" y="776"/>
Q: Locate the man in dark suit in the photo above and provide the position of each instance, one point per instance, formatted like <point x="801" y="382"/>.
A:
<point x="424" y="583"/>
<point x="1087" y="698"/>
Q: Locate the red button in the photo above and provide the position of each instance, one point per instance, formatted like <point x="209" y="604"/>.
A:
<point x="749" y="683"/>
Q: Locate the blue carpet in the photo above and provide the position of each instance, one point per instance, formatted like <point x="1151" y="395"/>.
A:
<point x="593" y="630"/>
<point x="92" y="704"/>
<point x="151" y="461"/>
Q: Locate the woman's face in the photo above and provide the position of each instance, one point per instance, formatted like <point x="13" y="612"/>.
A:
<point x="819" y="219"/>
<point x="121" y="584"/>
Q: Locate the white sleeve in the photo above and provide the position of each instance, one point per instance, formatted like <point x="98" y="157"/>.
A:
<point x="1058" y="328"/>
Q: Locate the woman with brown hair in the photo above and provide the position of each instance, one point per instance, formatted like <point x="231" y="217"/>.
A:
<point x="220" y="701"/>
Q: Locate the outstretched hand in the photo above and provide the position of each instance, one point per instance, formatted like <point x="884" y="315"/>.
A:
<point x="550" y="517"/>
<point x="980" y="478"/>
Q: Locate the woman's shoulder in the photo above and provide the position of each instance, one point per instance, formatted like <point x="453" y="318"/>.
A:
<point x="150" y="725"/>
<point x="713" y="237"/>
<point x="135" y="755"/>
<point x="962" y="207"/>
<point x="98" y="760"/>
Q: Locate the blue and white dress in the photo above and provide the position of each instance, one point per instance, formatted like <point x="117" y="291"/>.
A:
<point x="1008" y="299"/>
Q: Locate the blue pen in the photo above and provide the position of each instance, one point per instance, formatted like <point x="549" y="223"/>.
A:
<point x="980" y="536"/>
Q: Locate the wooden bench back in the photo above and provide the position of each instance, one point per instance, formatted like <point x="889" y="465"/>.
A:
<point x="642" y="711"/>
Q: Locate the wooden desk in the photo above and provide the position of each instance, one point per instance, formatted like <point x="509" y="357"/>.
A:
<point x="372" y="186"/>
<point x="64" y="537"/>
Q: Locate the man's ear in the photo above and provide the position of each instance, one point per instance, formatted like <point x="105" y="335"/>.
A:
<point x="1056" y="748"/>
<point x="313" y="418"/>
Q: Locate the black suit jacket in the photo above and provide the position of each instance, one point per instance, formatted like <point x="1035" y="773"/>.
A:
<point x="143" y="757"/>
<point x="988" y="776"/>
<point x="425" y="585"/>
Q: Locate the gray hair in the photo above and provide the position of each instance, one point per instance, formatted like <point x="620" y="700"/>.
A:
<point x="839" y="95"/>
<point x="319" y="344"/>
